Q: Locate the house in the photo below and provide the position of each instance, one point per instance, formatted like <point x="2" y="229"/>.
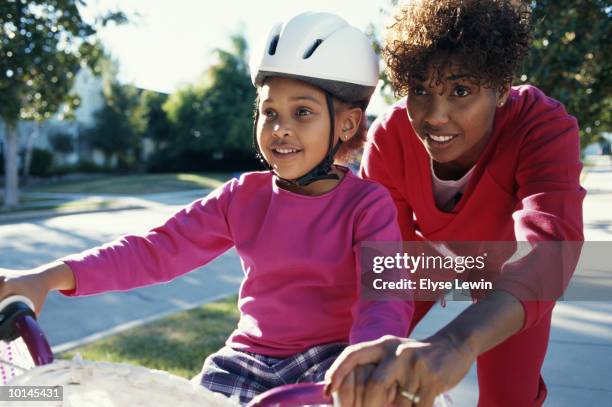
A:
<point x="89" y="88"/>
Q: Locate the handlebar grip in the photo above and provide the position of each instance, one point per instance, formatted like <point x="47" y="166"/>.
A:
<point x="292" y="395"/>
<point x="12" y="308"/>
<point x="17" y="319"/>
<point x="35" y="340"/>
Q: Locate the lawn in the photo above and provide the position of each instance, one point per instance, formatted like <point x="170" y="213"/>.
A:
<point x="59" y="205"/>
<point x="135" y="184"/>
<point x="177" y="344"/>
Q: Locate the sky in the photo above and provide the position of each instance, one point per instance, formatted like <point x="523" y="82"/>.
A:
<point x="170" y="42"/>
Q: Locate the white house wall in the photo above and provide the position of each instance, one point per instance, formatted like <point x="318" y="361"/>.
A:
<point x="89" y="89"/>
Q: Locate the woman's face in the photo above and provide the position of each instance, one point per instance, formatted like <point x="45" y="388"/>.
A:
<point x="454" y="118"/>
<point x="293" y="127"/>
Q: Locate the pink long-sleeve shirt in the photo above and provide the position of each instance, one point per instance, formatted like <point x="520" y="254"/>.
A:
<point x="300" y="256"/>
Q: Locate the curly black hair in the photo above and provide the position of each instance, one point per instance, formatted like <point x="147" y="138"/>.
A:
<point x="488" y="38"/>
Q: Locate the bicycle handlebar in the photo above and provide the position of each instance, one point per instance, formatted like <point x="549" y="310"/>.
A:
<point x="17" y="319"/>
<point x="34" y="339"/>
<point x="292" y="395"/>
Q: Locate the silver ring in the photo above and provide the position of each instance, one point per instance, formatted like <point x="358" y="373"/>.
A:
<point x="412" y="397"/>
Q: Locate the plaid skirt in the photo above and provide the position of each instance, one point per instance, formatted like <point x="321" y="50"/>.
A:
<point x="243" y="375"/>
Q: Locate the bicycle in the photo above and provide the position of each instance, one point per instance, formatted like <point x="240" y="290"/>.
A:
<point x="97" y="384"/>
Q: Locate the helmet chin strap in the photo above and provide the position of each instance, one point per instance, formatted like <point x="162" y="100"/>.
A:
<point x="323" y="169"/>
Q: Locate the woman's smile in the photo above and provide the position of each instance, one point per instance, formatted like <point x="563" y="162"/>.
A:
<point x="439" y="140"/>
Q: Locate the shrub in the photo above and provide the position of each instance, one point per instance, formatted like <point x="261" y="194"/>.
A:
<point x="42" y="163"/>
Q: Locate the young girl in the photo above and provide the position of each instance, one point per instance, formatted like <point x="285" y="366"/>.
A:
<point x="297" y="227"/>
<point x="468" y="157"/>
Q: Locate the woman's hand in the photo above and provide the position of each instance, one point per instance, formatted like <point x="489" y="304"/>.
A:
<point x="405" y="369"/>
<point x="340" y="378"/>
<point x="352" y="391"/>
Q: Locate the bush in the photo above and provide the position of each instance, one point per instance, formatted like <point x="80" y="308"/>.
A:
<point x="81" y="166"/>
<point x="196" y="161"/>
<point x="62" y="143"/>
<point x="42" y="163"/>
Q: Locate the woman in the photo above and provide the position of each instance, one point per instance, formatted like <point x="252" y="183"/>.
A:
<point x="468" y="157"/>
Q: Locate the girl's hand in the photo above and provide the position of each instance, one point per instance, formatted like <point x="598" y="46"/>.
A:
<point x="420" y="369"/>
<point x="36" y="284"/>
<point x="27" y="283"/>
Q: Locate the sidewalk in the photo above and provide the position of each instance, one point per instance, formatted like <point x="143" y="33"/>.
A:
<point x="74" y="204"/>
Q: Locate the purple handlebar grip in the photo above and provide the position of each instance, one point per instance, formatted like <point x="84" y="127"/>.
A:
<point x="292" y="395"/>
<point x="34" y="339"/>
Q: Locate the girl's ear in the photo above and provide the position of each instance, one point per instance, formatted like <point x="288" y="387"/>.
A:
<point x="349" y="122"/>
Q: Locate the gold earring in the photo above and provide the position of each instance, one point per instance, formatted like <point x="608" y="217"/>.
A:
<point x="500" y="104"/>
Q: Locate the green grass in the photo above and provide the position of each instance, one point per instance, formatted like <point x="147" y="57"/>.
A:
<point x="28" y="200"/>
<point x="55" y="204"/>
<point x="177" y="344"/>
<point x="135" y="184"/>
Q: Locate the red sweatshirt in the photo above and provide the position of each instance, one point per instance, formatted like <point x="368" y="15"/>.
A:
<point x="525" y="186"/>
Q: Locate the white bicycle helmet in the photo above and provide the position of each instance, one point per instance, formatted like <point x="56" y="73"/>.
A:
<point x="324" y="50"/>
<point x="321" y="49"/>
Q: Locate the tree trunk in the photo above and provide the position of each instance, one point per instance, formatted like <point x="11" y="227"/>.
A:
<point x="27" y="162"/>
<point x="11" y="176"/>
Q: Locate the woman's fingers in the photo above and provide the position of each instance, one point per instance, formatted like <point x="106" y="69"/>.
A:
<point x="426" y="362"/>
<point x="353" y="356"/>
<point x="408" y="397"/>
<point x="362" y="375"/>
<point x="408" y="383"/>
<point x="345" y="395"/>
<point x="427" y="398"/>
<point x="382" y="387"/>
<point x="351" y="392"/>
<point x="392" y="394"/>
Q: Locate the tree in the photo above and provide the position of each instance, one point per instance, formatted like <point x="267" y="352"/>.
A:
<point x="231" y="97"/>
<point x="214" y="116"/>
<point x="62" y="143"/>
<point x="41" y="48"/>
<point x="155" y="120"/>
<point x="115" y="134"/>
<point x="41" y="112"/>
<point x="570" y="60"/>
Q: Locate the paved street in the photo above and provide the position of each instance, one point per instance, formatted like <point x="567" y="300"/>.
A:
<point x="65" y="320"/>
<point x="575" y="370"/>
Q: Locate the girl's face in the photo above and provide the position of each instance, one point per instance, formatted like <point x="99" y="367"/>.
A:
<point x="293" y="127"/>
<point x="453" y="119"/>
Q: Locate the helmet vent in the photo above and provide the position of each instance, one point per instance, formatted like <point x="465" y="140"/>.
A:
<point x="312" y="49"/>
<point x="273" y="44"/>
